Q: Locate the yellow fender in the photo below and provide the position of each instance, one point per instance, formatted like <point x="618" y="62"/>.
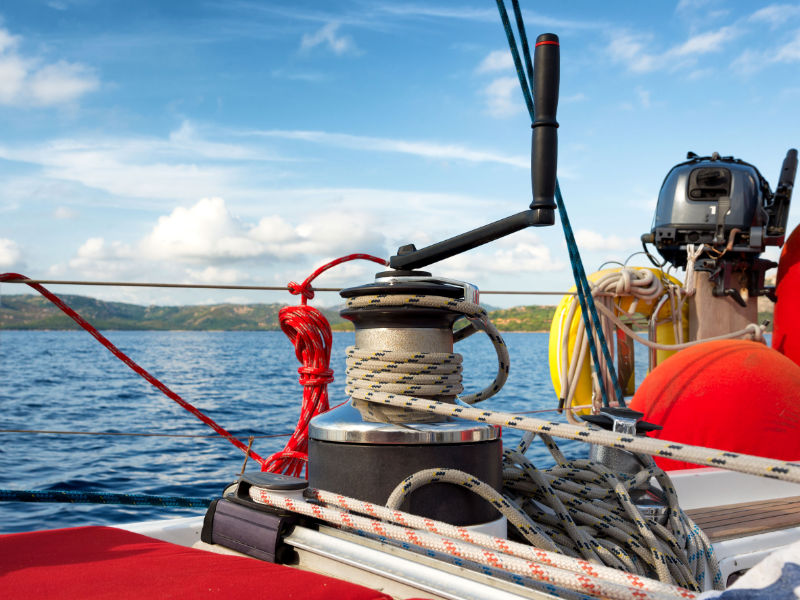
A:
<point x="665" y="333"/>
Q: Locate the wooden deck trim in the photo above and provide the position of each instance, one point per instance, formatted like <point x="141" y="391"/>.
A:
<point x="748" y="518"/>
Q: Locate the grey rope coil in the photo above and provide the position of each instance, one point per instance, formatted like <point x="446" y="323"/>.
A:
<point x="582" y="509"/>
<point x="579" y="507"/>
<point x="436" y="375"/>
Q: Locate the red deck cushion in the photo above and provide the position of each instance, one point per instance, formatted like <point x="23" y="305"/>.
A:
<point x="105" y="562"/>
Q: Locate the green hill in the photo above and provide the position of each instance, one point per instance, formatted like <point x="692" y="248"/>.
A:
<point x="523" y="318"/>
<point x="27" y="311"/>
<point x="36" y="312"/>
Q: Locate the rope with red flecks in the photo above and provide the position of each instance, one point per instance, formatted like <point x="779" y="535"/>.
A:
<point x="310" y="333"/>
<point x="133" y="366"/>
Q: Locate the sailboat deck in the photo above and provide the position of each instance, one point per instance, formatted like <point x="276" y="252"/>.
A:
<point x="748" y="518"/>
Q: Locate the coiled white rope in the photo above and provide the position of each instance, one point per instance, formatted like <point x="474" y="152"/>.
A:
<point x="546" y="571"/>
<point x="555" y="513"/>
<point x="642" y="285"/>
<point x="582" y="509"/>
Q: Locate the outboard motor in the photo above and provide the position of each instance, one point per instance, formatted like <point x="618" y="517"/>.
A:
<point x="726" y="205"/>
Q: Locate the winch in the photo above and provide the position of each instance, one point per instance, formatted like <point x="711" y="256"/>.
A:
<point x="726" y="206"/>
<point x="362" y="449"/>
<point x="354" y="453"/>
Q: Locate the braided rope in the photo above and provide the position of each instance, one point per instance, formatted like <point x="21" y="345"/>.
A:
<point x="581" y="567"/>
<point x="436" y="375"/>
<point x="538" y="575"/>
<point x="612" y="533"/>
<point x="75" y="497"/>
<point x="707" y="457"/>
<point x="528" y="528"/>
<point x="588" y="495"/>
<point x="310" y="334"/>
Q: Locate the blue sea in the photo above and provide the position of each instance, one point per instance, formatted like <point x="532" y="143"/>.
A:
<point x="246" y="381"/>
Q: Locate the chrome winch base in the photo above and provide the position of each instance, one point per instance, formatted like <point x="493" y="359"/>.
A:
<point x="351" y="455"/>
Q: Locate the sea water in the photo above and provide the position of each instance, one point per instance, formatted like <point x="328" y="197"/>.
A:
<point x="246" y="381"/>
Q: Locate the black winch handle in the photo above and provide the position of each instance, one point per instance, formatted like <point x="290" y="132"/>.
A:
<point x="788" y="170"/>
<point x="544" y="140"/>
<point x="544" y="154"/>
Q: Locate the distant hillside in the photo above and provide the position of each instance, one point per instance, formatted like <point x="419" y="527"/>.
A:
<point x="523" y="318"/>
<point x="35" y="312"/>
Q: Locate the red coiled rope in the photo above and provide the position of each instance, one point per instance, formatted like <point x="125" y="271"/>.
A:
<point x="310" y="333"/>
<point x="136" y="368"/>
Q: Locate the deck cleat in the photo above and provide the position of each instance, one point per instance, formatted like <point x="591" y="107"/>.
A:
<point x="650" y="500"/>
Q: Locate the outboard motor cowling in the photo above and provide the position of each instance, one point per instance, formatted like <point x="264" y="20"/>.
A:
<point x="725" y="206"/>
<point x="722" y="202"/>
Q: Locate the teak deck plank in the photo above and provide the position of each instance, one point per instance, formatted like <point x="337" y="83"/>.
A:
<point x="747" y="518"/>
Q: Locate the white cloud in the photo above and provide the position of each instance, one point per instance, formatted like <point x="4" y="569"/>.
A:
<point x="199" y="243"/>
<point x="691" y="5"/>
<point x="446" y="12"/>
<point x="100" y="260"/>
<point x="501" y="100"/>
<point x="497" y="60"/>
<point x="13" y="71"/>
<point x="208" y="232"/>
<point x="518" y="253"/>
<point x="184" y="166"/>
<point x="789" y="52"/>
<point x="577" y="97"/>
<point x="776" y="14"/>
<point x="328" y="35"/>
<point x="26" y="80"/>
<point x="423" y="149"/>
<point x="632" y="49"/>
<point x="10" y="254"/>
<point x="591" y="240"/>
<point x="61" y="82"/>
<point x="703" y="43"/>
<point x="7" y="41"/>
<point x="216" y="275"/>
<point x="205" y="231"/>
<point x="629" y="49"/>
<point x="752" y="60"/>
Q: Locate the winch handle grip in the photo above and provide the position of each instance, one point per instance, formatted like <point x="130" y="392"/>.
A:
<point x="544" y="138"/>
<point x="783" y="195"/>
<point x="788" y="170"/>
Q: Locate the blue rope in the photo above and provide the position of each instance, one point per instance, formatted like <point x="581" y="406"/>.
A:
<point x="74" y="497"/>
<point x="584" y="291"/>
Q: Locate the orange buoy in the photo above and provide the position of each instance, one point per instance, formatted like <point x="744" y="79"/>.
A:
<point x="786" y="319"/>
<point x="735" y="395"/>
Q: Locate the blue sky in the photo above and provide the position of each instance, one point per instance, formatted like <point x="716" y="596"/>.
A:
<point x="248" y="142"/>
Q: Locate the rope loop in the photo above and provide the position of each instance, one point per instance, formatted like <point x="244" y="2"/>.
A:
<point x="305" y="289"/>
<point x="310" y="334"/>
<point x="315" y="376"/>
